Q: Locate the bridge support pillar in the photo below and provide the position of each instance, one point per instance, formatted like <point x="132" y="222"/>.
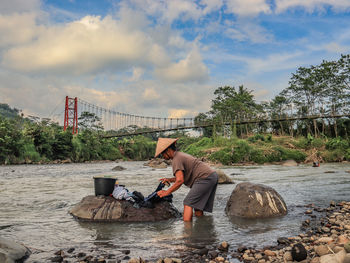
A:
<point x="71" y="114"/>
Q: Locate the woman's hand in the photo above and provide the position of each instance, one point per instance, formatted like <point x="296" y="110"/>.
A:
<point x="162" y="193"/>
<point x="167" y="181"/>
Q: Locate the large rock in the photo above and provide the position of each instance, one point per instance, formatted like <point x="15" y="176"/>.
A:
<point x="157" y="163"/>
<point x="108" y="209"/>
<point x="255" y="201"/>
<point x="11" y="252"/>
<point x="223" y="178"/>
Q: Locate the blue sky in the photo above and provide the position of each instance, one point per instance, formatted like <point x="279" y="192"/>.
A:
<point x="160" y="58"/>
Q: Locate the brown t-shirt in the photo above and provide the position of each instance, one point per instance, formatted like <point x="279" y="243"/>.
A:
<point x="192" y="168"/>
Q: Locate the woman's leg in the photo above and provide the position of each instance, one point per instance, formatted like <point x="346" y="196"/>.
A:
<point x="188" y="213"/>
<point x="198" y="213"/>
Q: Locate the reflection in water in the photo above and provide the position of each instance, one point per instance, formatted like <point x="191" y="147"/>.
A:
<point x="200" y="232"/>
<point x="254" y="226"/>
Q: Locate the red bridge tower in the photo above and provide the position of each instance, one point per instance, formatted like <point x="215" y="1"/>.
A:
<point x="71" y="114"/>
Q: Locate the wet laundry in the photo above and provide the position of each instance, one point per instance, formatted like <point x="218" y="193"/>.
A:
<point x="120" y="192"/>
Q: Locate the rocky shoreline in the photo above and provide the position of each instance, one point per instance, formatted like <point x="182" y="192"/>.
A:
<point x="324" y="238"/>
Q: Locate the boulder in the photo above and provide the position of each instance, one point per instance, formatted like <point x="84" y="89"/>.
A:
<point x="289" y="163"/>
<point x="118" y="168"/>
<point x="11" y="252"/>
<point x="334" y="258"/>
<point x="157" y="163"/>
<point x="109" y="209"/>
<point x="223" y="178"/>
<point x="250" y="200"/>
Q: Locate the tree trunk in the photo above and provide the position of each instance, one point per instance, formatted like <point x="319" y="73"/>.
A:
<point x="335" y="128"/>
<point x="281" y="127"/>
<point x="315" y="127"/>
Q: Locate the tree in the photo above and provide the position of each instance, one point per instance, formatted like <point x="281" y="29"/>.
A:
<point x="230" y="105"/>
<point x="91" y="121"/>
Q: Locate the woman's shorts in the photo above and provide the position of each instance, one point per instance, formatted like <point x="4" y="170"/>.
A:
<point x="202" y="194"/>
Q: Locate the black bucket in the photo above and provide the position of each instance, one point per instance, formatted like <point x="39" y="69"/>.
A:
<point x="104" y="185"/>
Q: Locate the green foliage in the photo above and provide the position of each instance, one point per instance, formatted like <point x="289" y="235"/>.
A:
<point x="196" y="149"/>
<point x="224" y="156"/>
<point x="241" y="151"/>
<point x="318" y="143"/>
<point x="290" y="154"/>
<point x="335" y="155"/>
<point x="138" y="148"/>
<point x="257" y="137"/>
<point x="7" y="112"/>
<point x="337" y="143"/>
<point x="29" y="153"/>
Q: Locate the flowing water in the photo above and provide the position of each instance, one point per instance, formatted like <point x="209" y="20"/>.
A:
<point x="35" y="200"/>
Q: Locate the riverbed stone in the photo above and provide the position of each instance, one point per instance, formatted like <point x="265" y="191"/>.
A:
<point x="11" y="251"/>
<point x="250" y="200"/>
<point x="118" y="168"/>
<point x="223" y="178"/>
<point x="157" y="163"/>
<point x="322" y="250"/>
<point x="333" y="258"/>
<point x="108" y="209"/>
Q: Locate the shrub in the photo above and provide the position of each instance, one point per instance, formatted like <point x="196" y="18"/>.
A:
<point x="258" y="156"/>
<point x="241" y="151"/>
<point x="224" y="156"/>
<point x="337" y="143"/>
<point x="302" y="143"/>
<point x="336" y="155"/>
<point x="290" y="154"/>
<point x="196" y="149"/>
<point x="317" y="143"/>
<point x="29" y="153"/>
<point x="256" y="137"/>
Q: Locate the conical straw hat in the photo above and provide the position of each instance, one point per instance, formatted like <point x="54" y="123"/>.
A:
<point x="162" y="144"/>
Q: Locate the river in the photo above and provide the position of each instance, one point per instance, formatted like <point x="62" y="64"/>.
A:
<point x="35" y="200"/>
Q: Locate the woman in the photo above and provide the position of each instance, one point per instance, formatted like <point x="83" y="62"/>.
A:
<point x="193" y="173"/>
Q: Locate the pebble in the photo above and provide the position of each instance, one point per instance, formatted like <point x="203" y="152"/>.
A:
<point x="219" y="259"/>
<point x="269" y="253"/>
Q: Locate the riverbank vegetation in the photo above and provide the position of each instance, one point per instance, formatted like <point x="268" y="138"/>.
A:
<point x="233" y="131"/>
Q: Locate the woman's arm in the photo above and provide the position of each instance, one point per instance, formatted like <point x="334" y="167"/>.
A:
<point x="179" y="180"/>
<point x="168" y="180"/>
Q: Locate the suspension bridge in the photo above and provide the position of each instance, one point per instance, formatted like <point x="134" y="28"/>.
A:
<point x="116" y="123"/>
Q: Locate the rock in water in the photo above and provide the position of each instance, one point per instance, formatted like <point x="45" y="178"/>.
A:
<point x="223" y="178"/>
<point x="250" y="200"/>
<point x="299" y="252"/>
<point x="157" y="163"/>
<point x="108" y="209"/>
<point x="118" y="168"/>
<point x="12" y="252"/>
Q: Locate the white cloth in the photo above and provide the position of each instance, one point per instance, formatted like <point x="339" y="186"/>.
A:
<point x="121" y="193"/>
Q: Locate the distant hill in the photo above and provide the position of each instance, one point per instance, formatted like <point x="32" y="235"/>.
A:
<point x="8" y="112"/>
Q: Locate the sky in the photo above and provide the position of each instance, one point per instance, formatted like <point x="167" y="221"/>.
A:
<point x="161" y="58"/>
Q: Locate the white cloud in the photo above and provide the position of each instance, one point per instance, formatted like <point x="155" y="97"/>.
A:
<point x="150" y="94"/>
<point x="17" y="28"/>
<point x="190" y="68"/>
<point x="247" y="7"/>
<point x="336" y="48"/>
<point x="312" y="5"/>
<point x="247" y="30"/>
<point x="85" y="46"/>
<point x="178" y="113"/>
<point x="211" y="5"/>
